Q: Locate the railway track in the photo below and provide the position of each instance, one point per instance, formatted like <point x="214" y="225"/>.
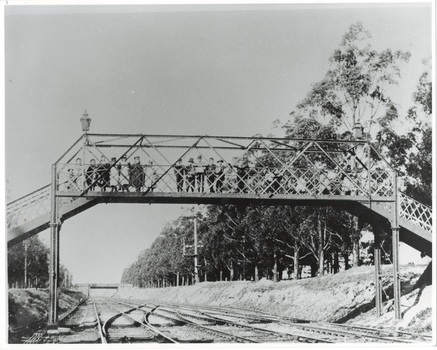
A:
<point x="118" y="324"/>
<point x="118" y="321"/>
<point x="331" y="331"/>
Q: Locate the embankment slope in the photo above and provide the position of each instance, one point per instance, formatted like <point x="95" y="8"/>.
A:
<point x="344" y="297"/>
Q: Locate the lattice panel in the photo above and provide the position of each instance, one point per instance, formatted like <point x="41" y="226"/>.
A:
<point x="382" y="183"/>
<point x="415" y="212"/>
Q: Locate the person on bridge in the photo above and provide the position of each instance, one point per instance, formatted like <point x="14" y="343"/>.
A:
<point x="268" y="181"/>
<point x="200" y="168"/>
<point x="78" y="175"/>
<point x="179" y="171"/>
<point x="210" y="175"/>
<point x="191" y="175"/>
<point x="220" y="175"/>
<point x="114" y="175"/>
<point x="103" y="174"/>
<point x="91" y="175"/>
<point x="136" y="175"/>
<point x="242" y="175"/>
<point x="154" y="179"/>
<point x="347" y="183"/>
<point x="124" y="174"/>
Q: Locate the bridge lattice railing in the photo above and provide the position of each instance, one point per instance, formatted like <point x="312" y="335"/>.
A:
<point x="28" y="208"/>
<point x="413" y="211"/>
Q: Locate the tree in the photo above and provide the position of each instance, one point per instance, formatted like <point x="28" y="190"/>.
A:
<point x="356" y="87"/>
<point x="419" y="167"/>
<point x="410" y="152"/>
<point x="355" y="90"/>
<point x="34" y="254"/>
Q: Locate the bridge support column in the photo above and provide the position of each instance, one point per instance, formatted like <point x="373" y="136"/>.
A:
<point x="54" y="256"/>
<point x="377" y="233"/>
<point x="396" y="279"/>
<point x="378" y="291"/>
<point x="395" y="243"/>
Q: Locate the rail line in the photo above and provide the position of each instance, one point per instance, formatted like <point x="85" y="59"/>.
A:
<point x="337" y="331"/>
<point x="229" y="330"/>
<point x="130" y="333"/>
<point x="121" y="321"/>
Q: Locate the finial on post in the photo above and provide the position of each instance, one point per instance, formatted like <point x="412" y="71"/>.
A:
<point x="86" y="122"/>
<point x="359" y="131"/>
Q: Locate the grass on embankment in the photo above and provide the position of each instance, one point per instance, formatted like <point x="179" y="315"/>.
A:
<point x="339" y="297"/>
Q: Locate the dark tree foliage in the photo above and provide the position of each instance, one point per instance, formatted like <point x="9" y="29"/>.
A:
<point x="31" y="258"/>
<point x="410" y="151"/>
<point x="419" y="167"/>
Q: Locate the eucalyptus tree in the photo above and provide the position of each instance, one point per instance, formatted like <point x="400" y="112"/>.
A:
<point x="28" y="264"/>
<point x="356" y="87"/>
<point x="419" y="166"/>
<point x="354" y="92"/>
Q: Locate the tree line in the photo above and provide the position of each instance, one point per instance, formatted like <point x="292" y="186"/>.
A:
<point x="28" y="266"/>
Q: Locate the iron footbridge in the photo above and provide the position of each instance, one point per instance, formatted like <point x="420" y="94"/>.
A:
<point x="112" y="168"/>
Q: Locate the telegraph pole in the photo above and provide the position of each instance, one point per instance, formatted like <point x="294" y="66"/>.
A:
<point x="196" y="271"/>
<point x="395" y="244"/>
<point x="196" y="246"/>
<point x="26" y="244"/>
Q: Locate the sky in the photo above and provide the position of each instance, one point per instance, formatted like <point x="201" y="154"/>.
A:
<point x="215" y="70"/>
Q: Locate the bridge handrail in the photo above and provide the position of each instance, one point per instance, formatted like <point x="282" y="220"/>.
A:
<point x="233" y="137"/>
<point x="27" y="195"/>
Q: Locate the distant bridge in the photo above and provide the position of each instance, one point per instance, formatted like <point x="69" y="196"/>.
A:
<point x="350" y="174"/>
<point x="86" y="287"/>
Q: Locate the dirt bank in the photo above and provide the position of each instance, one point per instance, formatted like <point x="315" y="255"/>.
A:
<point x="27" y="306"/>
<point x="347" y="297"/>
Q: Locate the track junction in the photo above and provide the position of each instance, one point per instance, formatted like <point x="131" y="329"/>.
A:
<point x="110" y="320"/>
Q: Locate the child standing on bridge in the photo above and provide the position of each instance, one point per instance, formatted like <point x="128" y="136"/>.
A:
<point x="200" y="174"/>
<point x="137" y="175"/>
<point x="220" y="176"/>
<point x="190" y="171"/>
<point x="91" y="175"/>
<point x="114" y="175"/>
<point x="210" y="175"/>
<point x="124" y="175"/>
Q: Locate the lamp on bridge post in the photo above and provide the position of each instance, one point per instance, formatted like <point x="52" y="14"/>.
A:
<point x="86" y="122"/>
<point x="358" y="131"/>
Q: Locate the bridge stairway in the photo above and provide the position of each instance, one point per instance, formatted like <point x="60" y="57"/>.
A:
<point x="29" y="215"/>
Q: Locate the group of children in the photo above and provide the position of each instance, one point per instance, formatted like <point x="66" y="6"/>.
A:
<point x="201" y="177"/>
